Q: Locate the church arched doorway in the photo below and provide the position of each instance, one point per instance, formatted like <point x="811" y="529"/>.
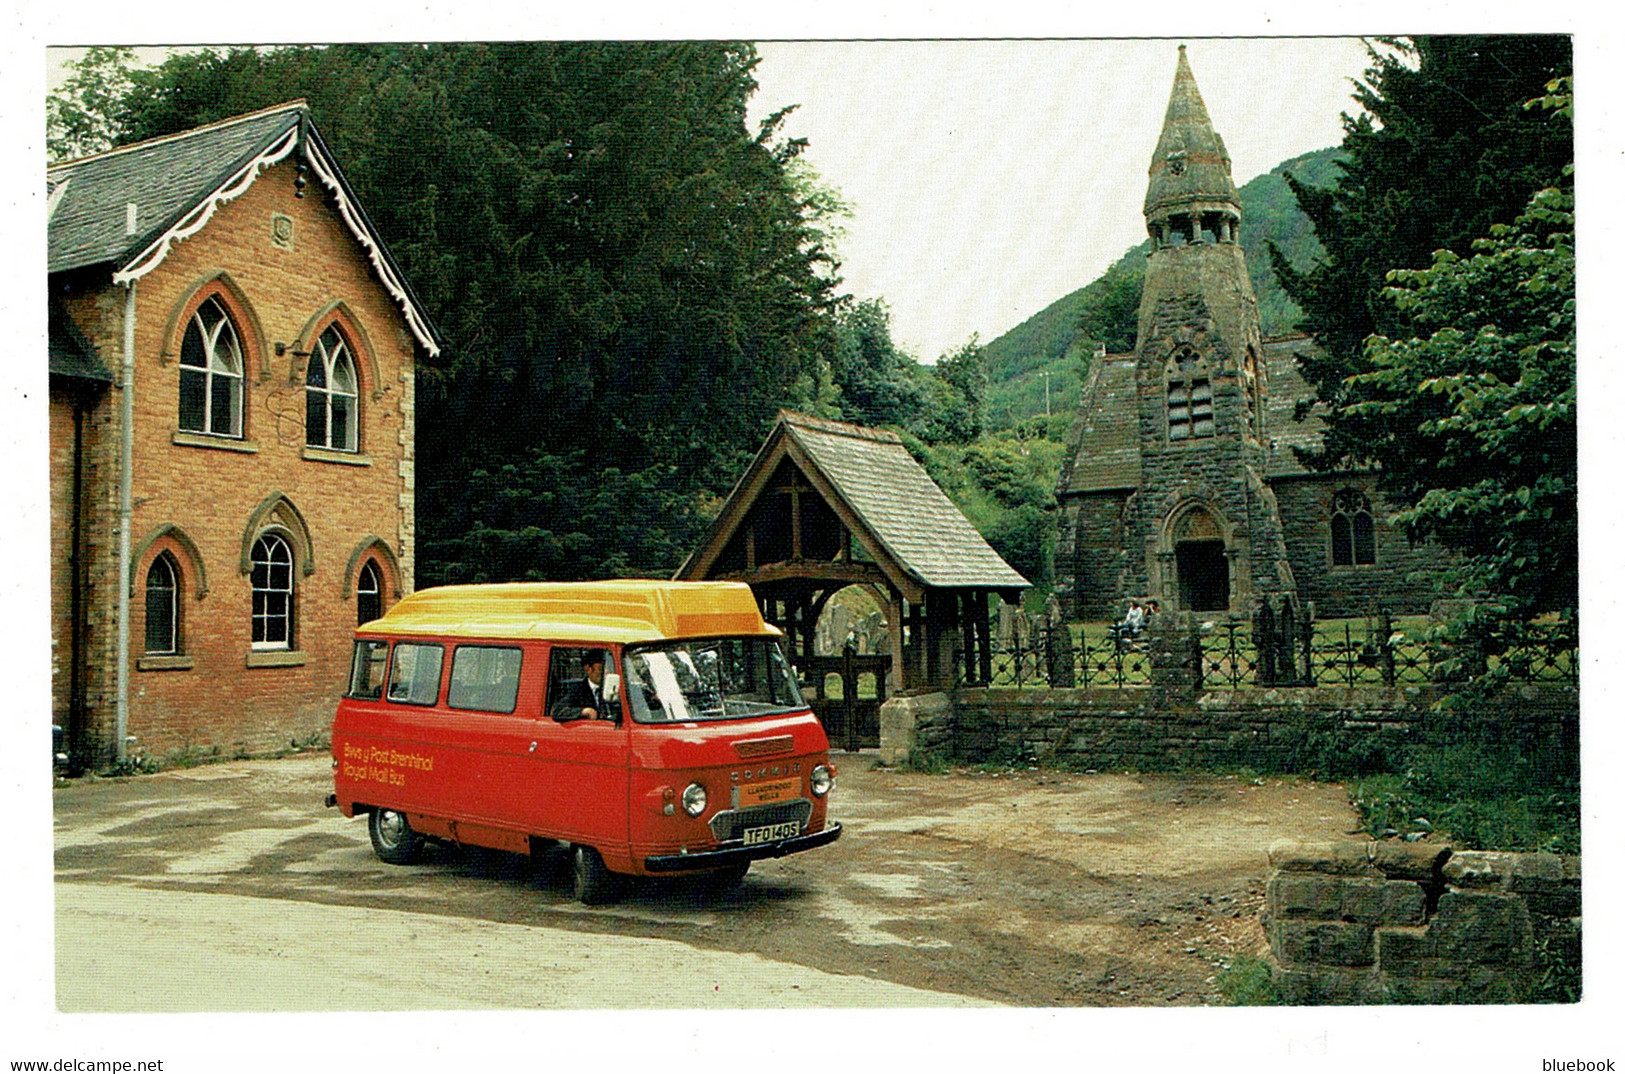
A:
<point x="1201" y="561"/>
<point x="1204" y="575"/>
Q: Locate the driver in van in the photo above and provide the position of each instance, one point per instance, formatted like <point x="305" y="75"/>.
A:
<point x="584" y="698"/>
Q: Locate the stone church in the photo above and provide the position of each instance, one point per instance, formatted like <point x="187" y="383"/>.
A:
<point x="1181" y="483"/>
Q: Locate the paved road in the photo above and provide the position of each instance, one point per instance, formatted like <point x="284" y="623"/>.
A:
<point x="229" y="887"/>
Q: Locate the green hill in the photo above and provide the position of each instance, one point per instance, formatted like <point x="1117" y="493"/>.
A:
<point x="1059" y="339"/>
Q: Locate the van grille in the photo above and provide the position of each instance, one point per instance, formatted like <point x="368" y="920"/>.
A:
<point x="730" y="823"/>
<point x="765" y="747"/>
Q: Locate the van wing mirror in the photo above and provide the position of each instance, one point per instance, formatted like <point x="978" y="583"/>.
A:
<point x="612" y="687"/>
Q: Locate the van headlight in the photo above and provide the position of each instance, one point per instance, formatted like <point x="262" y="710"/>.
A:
<point x="822" y="780"/>
<point x="693" y="799"/>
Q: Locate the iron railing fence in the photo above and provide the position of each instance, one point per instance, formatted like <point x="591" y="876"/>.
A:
<point x="1337" y="655"/>
<point x="1044" y="662"/>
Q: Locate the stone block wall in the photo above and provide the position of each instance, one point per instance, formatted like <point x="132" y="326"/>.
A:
<point x="1272" y="730"/>
<point x="1417" y="922"/>
<point x="1101" y="728"/>
<point x="919" y="724"/>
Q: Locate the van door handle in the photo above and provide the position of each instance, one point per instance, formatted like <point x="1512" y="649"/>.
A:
<point x="533" y="747"/>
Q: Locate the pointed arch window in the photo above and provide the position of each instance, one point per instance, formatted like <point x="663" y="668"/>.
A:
<point x="271" y="579"/>
<point x="211" y="370"/>
<point x="1354" y="531"/>
<point x="369" y="593"/>
<point x="332" y="401"/>
<point x="1190" y="397"/>
<point x="163" y="633"/>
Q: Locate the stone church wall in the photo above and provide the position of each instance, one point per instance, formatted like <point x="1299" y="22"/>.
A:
<point x="1340" y="592"/>
<point x="1092" y="543"/>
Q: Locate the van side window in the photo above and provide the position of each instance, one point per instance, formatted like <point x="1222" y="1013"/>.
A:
<point x="484" y="678"/>
<point x="571" y="685"/>
<point x="367" y="669"/>
<point x="414" y="674"/>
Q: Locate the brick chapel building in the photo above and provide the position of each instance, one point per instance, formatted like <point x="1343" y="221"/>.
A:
<point x="232" y="353"/>
<point x="1181" y="481"/>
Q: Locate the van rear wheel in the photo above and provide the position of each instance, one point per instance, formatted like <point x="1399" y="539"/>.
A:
<point x="595" y="885"/>
<point x="393" y="839"/>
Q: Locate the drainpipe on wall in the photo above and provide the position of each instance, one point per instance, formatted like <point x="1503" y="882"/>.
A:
<point x="79" y="744"/>
<point x="126" y="513"/>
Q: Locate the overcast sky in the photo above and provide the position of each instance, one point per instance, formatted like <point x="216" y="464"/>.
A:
<point x="989" y="178"/>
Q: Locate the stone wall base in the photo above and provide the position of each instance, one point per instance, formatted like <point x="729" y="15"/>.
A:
<point x="1417" y="922"/>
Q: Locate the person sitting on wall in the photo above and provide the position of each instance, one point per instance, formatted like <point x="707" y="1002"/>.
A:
<point x="1134" y="621"/>
<point x="1124" y="633"/>
<point x="583" y="698"/>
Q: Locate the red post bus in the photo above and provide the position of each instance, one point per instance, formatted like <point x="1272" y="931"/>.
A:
<point x="653" y="727"/>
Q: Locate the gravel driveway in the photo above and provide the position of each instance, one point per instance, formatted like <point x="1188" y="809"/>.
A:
<point x="230" y="887"/>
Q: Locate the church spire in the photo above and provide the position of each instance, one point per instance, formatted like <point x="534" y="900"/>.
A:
<point x="1190" y="188"/>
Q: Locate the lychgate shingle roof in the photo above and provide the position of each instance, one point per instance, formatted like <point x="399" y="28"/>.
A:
<point x="901" y="506"/>
<point x="918" y="538"/>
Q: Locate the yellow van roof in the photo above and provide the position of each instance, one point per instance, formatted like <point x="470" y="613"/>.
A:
<point x="611" y="612"/>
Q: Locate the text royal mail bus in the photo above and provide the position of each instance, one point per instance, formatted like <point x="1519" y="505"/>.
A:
<point x="471" y="717"/>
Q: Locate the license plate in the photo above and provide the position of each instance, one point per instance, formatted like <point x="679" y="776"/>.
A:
<point x="777" y="790"/>
<point x="771" y="833"/>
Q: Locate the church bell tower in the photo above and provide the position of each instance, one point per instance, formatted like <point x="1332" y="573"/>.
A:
<point x="1204" y="517"/>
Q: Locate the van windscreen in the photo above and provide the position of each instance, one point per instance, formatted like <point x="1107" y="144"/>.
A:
<point x="715" y="679"/>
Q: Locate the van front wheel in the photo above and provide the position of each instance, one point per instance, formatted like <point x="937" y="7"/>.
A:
<point x="594" y="883"/>
<point x="393" y="839"/>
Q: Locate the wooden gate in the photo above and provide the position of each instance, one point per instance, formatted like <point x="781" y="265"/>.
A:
<point x="847" y="693"/>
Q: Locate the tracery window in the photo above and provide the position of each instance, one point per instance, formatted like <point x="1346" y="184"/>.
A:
<point x="163" y="606"/>
<point x="1190" y="397"/>
<point x="271" y="578"/>
<point x="331" y="398"/>
<point x="211" y="399"/>
<point x="1354" y="532"/>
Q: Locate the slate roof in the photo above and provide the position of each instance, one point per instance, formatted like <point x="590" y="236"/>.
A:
<point x="165" y="178"/>
<point x="1104" y="446"/>
<point x="71" y="354"/>
<point x="173" y="183"/>
<point x="1286" y="388"/>
<point x="901" y="506"/>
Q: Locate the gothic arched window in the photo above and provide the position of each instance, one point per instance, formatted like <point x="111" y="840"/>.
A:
<point x="271" y="577"/>
<point x="211" y="374"/>
<point x="163" y="606"/>
<point x="1354" y="533"/>
<point x="331" y="399"/>
<point x="369" y="593"/>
